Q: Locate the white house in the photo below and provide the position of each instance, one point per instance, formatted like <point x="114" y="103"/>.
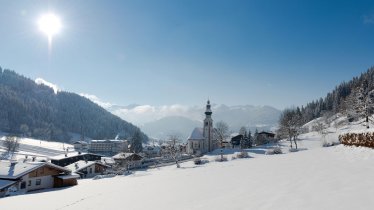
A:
<point x="128" y="160"/>
<point x="87" y="169"/>
<point x="29" y="176"/>
<point x="203" y="140"/>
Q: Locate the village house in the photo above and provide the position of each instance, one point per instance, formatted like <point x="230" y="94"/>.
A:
<point x="26" y="176"/>
<point x="87" y="169"/>
<point x="265" y="138"/>
<point x="67" y="159"/>
<point x="151" y="151"/>
<point x="80" y="146"/>
<point x="128" y="160"/>
<point x="236" y="140"/>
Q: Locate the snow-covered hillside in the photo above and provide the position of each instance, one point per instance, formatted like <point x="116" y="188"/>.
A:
<point x="39" y="148"/>
<point x="315" y="177"/>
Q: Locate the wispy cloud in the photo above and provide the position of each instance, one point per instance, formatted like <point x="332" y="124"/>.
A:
<point x="96" y="100"/>
<point x="140" y="114"/>
<point x="41" y="81"/>
<point x="368" y="19"/>
<point x="147" y="113"/>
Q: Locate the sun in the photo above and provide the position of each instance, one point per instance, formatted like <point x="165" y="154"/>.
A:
<point x="50" y="25"/>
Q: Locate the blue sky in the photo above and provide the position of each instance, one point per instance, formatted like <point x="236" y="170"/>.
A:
<point x="265" y="52"/>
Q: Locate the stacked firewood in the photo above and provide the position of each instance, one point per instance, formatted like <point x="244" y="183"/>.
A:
<point x="358" y="139"/>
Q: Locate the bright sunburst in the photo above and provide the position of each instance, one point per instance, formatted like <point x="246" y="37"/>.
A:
<point x="50" y="25"/>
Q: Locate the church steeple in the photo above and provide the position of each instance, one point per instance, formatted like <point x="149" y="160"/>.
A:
<point x="208" y="129"/>
<point x="208" y="111"/>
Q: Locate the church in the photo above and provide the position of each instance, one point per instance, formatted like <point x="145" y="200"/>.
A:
<point x="202" y="140"/>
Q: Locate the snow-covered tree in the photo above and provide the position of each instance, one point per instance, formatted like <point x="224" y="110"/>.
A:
<point x="136" y="142"/>
<point x="360" y="103"/>
<point x="173" y="148"/>
<point x="11" y="144"/>
<point x="255" y="136"/>
<point x="290" y="124"/>
<point x="222" y="131"/>
<point x="243" y="131"/>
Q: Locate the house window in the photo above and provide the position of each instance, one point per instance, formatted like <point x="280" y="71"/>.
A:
<point x="23" y="185"/>
<point x="38" y="182"/>
<point x="90" y="170"/>
<point x="29" y="183"/>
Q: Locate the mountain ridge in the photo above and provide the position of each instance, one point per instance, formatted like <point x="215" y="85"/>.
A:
<point x="36" y="110"/>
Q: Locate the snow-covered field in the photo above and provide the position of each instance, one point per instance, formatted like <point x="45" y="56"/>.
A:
<point x="37" y="147"/>
<point x="324" y="178"/>
<point x="336" y="177"/>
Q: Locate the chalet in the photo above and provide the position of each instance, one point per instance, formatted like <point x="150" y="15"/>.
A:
<point x="64" y="160"/>
<point x="87" y="169"/>
<point x="29" y="176"/>
<point x="265" y="138"/>
<point x="152" y="151"/>
<point x="235" y="141"/>
<point x="80" y="146"/>
<point x="128" y="160"/>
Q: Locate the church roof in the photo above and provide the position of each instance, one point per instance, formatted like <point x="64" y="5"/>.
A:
<point x="197" y="134"/>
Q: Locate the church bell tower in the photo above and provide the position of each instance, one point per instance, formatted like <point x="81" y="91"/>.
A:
<point x="208" y="129"/>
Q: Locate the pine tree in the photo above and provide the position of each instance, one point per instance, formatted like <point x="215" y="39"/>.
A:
<point x="136" y="142"/>
<point x="250" y="139"/>
<point x="255" y="136"/>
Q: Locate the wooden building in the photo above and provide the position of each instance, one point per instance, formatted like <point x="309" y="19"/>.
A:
<point x="87" y="169"/>
<point x="64" y="160"/>
<point x="128" y="160"/>
<point x="265" y="138"/>
<point x="28" y="176"/>
<point x="236" y="140"/>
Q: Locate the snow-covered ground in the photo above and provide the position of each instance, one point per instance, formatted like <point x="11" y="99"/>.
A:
<point x="37" y="147"/>
<point x="315" y="177"/>
<point x="324" y="178"/>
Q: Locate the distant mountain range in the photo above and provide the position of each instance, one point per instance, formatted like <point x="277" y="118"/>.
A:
<point x="37" y="109"/>
<point x="159" y="122"/>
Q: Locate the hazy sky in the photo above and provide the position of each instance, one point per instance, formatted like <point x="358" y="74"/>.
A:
<point x="157" y="52"/>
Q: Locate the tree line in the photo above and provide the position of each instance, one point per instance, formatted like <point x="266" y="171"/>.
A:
<point x="354" y="98"/>
<point x="32" y="110"/>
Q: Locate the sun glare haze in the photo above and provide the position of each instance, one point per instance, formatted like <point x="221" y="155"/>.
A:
<point x="50" y="25"/>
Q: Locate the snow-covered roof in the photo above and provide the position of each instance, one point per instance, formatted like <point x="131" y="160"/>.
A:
<point x="108" y="140"/>
<point x="80" y="142"/>
<point x="9" y="170"/>
<point x="107" y="160"/>
<point x="62" y="156"/>
<point x="6" y="183"/>
<point x="197" y="134"/>
<point x="81" y="165"/>
<point x="125" y="155"/>
<point x="71" y="154"/>
<point x="69" y="176"/>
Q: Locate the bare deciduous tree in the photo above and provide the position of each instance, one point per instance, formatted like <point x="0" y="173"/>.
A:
<point x="173" y="148"/>
<point x="290" y="124"/>
<point x="222" y="131"/>
<point x="11" y="144"/>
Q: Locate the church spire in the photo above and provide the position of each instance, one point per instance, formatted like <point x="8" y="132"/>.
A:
<point x="208" y="111"/>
